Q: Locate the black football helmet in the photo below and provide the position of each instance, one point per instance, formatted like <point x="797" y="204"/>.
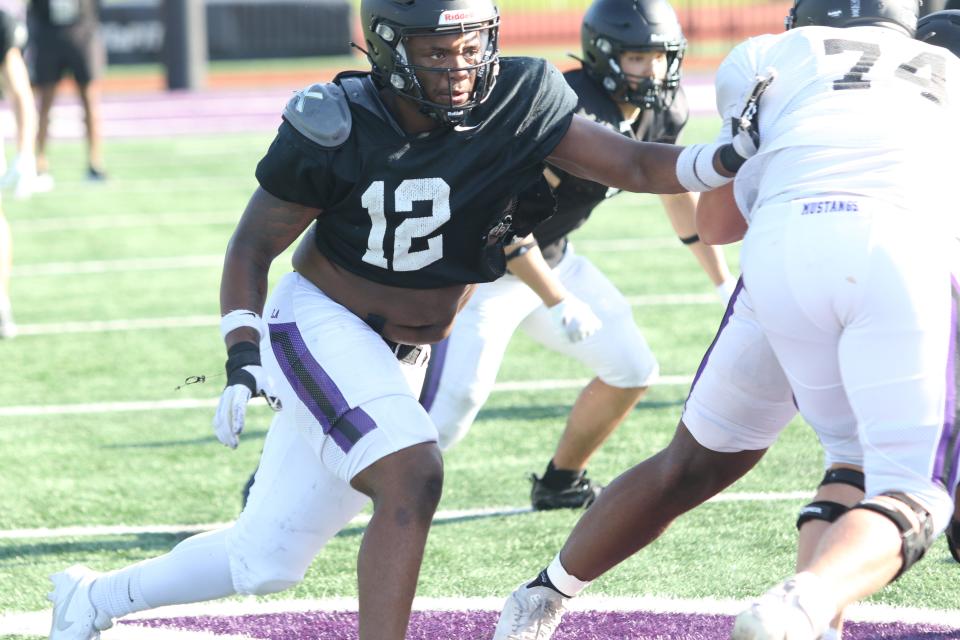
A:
<point x="611" y="27"/>
<point x="386" y="23"/>
<point x="896" y="14"/>
<point x="941" y="28"/>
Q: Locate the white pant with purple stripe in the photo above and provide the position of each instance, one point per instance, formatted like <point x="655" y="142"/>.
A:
<point x="347" y="402"/>
<point x="465" y="366"/>
<point x="858" y="303"/>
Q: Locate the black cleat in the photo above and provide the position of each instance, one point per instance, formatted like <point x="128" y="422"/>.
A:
<point x="96" y="175"/>
<point x="953" y="538"/>
<point x="580" y="494"/>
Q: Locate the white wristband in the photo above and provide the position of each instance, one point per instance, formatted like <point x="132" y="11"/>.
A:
<point x="240" y="318"/>
<point x="695" y="169"/>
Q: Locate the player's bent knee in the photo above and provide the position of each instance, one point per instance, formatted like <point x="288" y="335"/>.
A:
<point x="263" y="578"/>
<point x="829" y="510"/>
<point x="453" y="413"/>
<point x="913" y="521"/>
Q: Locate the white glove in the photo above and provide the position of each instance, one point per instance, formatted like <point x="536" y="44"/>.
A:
<point x="245" y="378"/>
<point x="574" y="318"/>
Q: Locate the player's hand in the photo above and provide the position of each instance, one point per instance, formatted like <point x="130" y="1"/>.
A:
<point x="574" y="318"/>
<point x="245" y="379"/>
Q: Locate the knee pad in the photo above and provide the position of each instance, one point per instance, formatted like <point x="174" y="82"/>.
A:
<point x="916" y="532"/>
<point x="828" y="510"/>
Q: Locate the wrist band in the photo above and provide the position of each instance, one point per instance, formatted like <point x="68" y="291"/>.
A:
<point x="519" y="251"/>
<point x="690" y="239"/>
<point x="240" y="318"/>
<point x="695" y="168"/>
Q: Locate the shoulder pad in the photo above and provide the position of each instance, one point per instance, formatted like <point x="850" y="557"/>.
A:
<point x="321" y="113"/>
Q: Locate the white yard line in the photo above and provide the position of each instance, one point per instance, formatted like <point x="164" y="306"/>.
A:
<point x="97" y="531"/>
<point x="103" y="326"/>
<point x="137" y="324"/>
<point x="204" y="403"/>
<point x="118" y="265"/>
<point x="93" y="223"/>
<point x="38" y="622"/>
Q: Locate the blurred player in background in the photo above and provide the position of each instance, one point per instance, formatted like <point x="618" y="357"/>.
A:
<point x="64" y="36"/>
<point x="629" y="82"/>
<point x="410" y="175"/>
<point x="21" y="175"/>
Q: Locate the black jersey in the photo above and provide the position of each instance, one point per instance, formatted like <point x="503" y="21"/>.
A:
<point x="576" y="197"/>
<point x="63" y="13"/>
<point x="429" y="210"/>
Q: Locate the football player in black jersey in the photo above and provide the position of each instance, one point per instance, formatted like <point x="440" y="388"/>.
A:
<point x="629" y="83"/>
<point x="410" y="177"/>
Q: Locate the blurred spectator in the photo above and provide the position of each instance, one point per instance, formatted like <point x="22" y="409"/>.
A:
<point x="21" y="176"/>
<point x="16" y="86"/>
<point x="65" y="36"/>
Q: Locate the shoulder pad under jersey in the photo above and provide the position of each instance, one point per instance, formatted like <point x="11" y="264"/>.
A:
<point x="321" y="113"/>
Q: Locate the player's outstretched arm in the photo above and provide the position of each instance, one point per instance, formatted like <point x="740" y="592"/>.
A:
<point x="268" y="226"/>
<point x="591" y="151"/>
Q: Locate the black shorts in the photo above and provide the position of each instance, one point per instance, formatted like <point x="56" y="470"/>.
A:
<point x="13" y="33"/>
<point x="53" y="51"/>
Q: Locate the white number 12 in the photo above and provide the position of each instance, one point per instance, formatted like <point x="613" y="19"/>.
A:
<point x="432" y="190"/>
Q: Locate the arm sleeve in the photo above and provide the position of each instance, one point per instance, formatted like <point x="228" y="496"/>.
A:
<point x="297" y="170"/>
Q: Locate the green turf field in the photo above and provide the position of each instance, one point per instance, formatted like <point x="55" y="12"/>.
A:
<point x="145" y="246"/>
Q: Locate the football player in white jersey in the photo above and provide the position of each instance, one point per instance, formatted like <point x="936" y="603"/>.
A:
<point x="849" y="260"/>
<point x="629" y="82"/>
<point x="851" y="272"/>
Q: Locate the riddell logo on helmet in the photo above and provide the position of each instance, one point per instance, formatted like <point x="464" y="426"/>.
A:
<point x="451" y="17"/>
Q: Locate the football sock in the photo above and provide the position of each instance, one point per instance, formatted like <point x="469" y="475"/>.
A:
<point x="725" y="289"/>
<point x="196" y="570"/>
<point x="830" y="634"/>
<point x="557" y="578"/>
<point x="816" y="600"/>
<point x="560" y="478"/>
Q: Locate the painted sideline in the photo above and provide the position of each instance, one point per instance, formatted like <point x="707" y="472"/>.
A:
<point x="37" y="622"/>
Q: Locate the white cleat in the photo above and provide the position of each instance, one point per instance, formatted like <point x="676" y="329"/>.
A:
<point x="777" y="615"/>
<point x="74" y="616"/>
<point x="530" y="613"/>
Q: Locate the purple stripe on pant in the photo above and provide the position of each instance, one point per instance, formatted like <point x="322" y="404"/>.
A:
<point x="316" y="389"/>
<point x="945" y="465"/>
<point x="723" y="324"/>
<point x="438" y="356"/>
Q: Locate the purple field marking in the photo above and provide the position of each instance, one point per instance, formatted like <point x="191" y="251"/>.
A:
<point x="478" y="625"/>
